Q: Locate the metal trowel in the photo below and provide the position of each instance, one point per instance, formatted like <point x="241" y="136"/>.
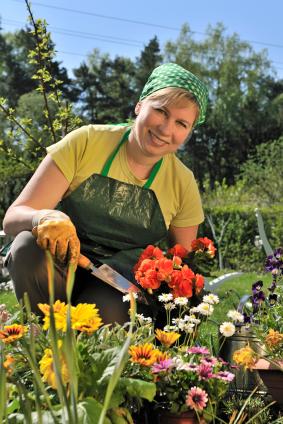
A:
<point x="106" y="274"/>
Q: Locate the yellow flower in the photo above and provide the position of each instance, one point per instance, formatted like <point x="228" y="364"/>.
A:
<point x="166" y="338"/>
<point x="85" y="318"/>
<point x="8" y="364"/>
<point x="246" y="357"/>
<point x="60" y="315"/>
<point x="161" y="356"/>
<point x="11" y="333"/>
<point x="143" y="354"/>
<point x="47" y="370"/>
<point x="273" y="338"/>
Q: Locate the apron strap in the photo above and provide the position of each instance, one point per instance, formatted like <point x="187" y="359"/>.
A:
<point x="109" y="161"/>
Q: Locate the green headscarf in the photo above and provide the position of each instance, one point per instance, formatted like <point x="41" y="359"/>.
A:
<point x="173" y="75"/>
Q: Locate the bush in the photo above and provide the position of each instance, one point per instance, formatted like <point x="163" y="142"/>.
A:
<point x="234" y="228"/>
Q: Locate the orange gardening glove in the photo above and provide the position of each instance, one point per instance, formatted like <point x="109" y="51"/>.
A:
<point x="54" y="231"/>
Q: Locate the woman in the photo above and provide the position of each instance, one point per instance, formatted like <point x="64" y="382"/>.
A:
<point x="119" y="188"/>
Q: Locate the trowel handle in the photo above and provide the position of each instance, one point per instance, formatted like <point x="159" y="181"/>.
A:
<point x="84" y="262"/>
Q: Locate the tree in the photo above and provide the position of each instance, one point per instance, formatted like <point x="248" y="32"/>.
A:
<point x="149" y="58"/>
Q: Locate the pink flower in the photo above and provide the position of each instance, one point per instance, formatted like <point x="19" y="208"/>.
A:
<point x="162" y="366"/>
<point x="224" y="375"/>
<point x="209" y="360"/>
<point x="199" y="350"/>
<point x="196" y="398"/>
<point x="205" y="372"/>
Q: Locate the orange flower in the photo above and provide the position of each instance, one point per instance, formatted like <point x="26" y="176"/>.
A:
<point x="273" y="338"/>
<point x="8" y="364"/>
<point x="60" y="315"/>
<point x="203" y="244"/>
<point x="199" y="283"/>
<point x="178" y="250"/>
<point x="182" y="282"/>
<point x="10" y="333"/>
<point x="166" y="338"/>
<point x="150" y="252"/>
<point x="246" y="357"/>
<point x="146" y="275"/>
<point x="143" y="354"/>
<point x="161" y="356"/>
<point x="164" y="269"/>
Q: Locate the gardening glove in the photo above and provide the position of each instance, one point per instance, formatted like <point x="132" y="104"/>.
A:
<point x="54" y="231"/>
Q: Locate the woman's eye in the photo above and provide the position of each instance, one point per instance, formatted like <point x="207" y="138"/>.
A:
<point x="182" y="124"/>
<point x="160" y="111"/>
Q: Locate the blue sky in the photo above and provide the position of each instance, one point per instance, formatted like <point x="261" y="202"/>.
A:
<point x="125" y="26"/>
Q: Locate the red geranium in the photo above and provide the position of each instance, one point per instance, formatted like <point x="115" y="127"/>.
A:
<point x="203" y="244"/>
<point x="178" y="250"/>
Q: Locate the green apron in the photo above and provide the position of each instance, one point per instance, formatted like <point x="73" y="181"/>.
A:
<point x="115" y="221"/>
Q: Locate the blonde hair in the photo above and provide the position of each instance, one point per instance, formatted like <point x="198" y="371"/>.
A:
<point x="172" y="95"/>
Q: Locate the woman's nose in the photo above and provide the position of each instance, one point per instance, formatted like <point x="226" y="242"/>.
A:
<point x="166" y="126"/>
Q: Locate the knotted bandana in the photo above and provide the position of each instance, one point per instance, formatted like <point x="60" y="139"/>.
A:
<point x="173" y="75"/>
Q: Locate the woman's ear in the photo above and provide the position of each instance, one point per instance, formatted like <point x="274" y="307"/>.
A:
<point x="138" y="108"/>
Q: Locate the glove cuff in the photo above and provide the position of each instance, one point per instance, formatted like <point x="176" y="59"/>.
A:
<point x="48" y="215"/>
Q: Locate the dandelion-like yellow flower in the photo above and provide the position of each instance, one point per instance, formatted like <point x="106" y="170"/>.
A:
<point x="10" y="333"/>
<point x="273" y="338"/>
<point x="60" y="315"/>
<point x="85" y="317"/>
<point x="166" y="338"/>
<point x="246" y="357"/>
<point x="143" y="354"/>
<point x="8" y="364"/>
<point x="46" y="366"/>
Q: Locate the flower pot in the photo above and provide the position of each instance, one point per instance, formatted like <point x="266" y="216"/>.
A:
<point x="272" y="378"/>
<point x="188" y="417"/>
<point x="244" y="381"/>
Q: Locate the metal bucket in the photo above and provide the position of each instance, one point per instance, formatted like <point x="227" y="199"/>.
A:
<point x="244" y="381"/>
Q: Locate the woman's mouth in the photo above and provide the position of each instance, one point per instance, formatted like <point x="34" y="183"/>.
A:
<point x="156" y="140"/>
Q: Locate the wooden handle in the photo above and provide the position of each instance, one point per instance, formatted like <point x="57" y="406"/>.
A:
<point x="84" y="262"/>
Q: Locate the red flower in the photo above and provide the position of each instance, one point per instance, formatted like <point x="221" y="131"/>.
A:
<point x="204" y="244"/>
<point x="178" y="250"/>
<point x="199" y="283"/>
<point x="164" y="269"/>
<point x="146" y="274"/>
<point x="150" y="252"/>
<point x="182" y="282"/>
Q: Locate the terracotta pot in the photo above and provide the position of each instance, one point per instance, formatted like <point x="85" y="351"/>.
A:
<point x="188" y="417"/>
<point x="272" y="377"/>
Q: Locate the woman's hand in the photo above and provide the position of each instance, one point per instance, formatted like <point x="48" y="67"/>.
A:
<point x="55" y="232"/>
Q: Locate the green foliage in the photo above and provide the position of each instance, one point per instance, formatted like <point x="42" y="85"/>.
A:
<point x="236" y="227"/>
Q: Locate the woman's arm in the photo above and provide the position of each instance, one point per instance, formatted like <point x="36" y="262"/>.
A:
<point x="44" y="191"/>
<point x="183" y="235"/>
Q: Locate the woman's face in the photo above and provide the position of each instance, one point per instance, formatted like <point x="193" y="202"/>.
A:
<point x="159" y="130"/>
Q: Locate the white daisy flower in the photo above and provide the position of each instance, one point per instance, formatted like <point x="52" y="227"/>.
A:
<point x="169" y="306"/>
<point x="127" y="297"/>
<point x="211" y="298"/>
<point x="188" y="328"/>
<point x="165" y="297"/>
<point x="169" y="328"/>
<point x="205" y="309"/>
<point x="227" y="329"/>
<point x="182" y="301"/>
<point x="194" y="310"/>
<point x="235" y="316"/>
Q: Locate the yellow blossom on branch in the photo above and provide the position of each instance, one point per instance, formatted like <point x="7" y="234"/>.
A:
<point x="246" y="357"/>
<point x="166" y="338"/>
<point x="10" y="333"/>
<point x="143" y="354"/>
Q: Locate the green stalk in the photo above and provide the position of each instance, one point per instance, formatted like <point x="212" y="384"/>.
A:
<point x="120" y="364"/>
<point x="3" y="396"/>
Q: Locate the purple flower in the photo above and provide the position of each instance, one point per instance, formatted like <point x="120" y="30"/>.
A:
<point x="257" y="286"/>
<point x="274" y="263"/>
<point x="162" y="366"/>
<point x="247" y="318"/>
<point x="204" y="372"/>
<point x="209" y="361"/>
<point x="272" y="299"/>
<point x="199" y="350"/>
<point x="224" y="375"/>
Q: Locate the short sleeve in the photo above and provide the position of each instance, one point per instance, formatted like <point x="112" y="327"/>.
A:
<point x="190" y="211"/>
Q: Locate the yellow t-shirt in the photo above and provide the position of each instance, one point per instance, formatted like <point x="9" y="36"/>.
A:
<point x="84" y="151"/>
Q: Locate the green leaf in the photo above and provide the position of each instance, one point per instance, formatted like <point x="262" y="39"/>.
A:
<point x="137" y="388"/>
<point x="89" y="412"/>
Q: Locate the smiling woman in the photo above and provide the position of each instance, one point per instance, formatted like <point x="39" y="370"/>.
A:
<point x="119" y="188"/>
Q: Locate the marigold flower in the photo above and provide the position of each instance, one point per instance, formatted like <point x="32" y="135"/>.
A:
<point x="246" y="357"/>
<point x="178" y="250"/>
<point x="85" y="318"/>
<point x="10" y="333"/>
<point x="46" y="366"/>
<point x="273" y="338"/>
<point x="197" y="398"/>
<point x="60" y="315"/>
<point x="143" y="354"/>
<point x="166" y="338"/>
<point x="8" y="364"/>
